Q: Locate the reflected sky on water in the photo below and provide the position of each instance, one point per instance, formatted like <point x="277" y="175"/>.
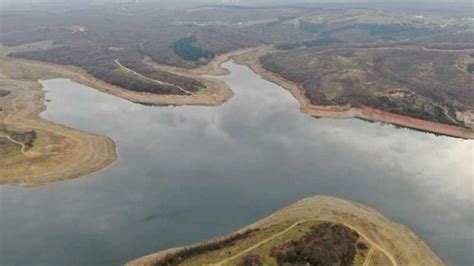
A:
<point x="185" y="174"/>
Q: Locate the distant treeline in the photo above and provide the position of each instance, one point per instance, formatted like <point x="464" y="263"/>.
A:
<point x="313" y="43"/>
<point x="389" y="31"/>
<point x="382" y="31"/>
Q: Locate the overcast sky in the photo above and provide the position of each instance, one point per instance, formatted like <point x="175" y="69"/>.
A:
<point x="229" y="1"/>
<point x="5" y="3"/>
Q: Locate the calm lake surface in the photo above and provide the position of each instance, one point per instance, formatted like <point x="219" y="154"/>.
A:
<point x="186" y="174"/>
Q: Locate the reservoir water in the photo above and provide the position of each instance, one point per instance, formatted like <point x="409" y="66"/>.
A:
<point x="186" y="174"/>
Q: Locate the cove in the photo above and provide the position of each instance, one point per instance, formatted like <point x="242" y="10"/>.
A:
<point x="185" y="174"/>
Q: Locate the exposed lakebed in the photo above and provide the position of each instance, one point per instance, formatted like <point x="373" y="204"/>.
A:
<point x="185" y="174"/>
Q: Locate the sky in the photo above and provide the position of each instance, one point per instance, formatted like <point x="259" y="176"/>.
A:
<point x="227" y="1"/>
<point x="6" y="3"/>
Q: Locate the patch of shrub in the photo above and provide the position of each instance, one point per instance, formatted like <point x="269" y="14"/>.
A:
<point x="325" y="244"/>
<point x="182" y="255"/>
<point x="250" y="260"/>
<point x="4" y="93"/>
<point x="362" y="246"/>
<point x="28" y="138"/>
<point x="388" y="31"/>
<point x="314" y="43"/>
<point x="470" y="68"/>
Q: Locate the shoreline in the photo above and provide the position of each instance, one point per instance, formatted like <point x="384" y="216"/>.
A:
<point x="212" y="68"/>
<point x="216" y="93"/>
<point x="343" y="112"/>
<point x="67" y="153"/>
<point x="400" y="245"/>
<point x="61" y="152"/>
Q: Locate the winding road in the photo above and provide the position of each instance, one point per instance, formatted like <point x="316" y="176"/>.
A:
<point x="5" y="121"/>
<point x="150" y="79"/>
<point x="23" y="146"/>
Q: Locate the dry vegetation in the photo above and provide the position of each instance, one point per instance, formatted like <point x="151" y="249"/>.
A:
<point x="409" y="81"/>
<point x="339" y="231"/>
<point x="345" y="57"/>
<point x="251" y="59"/>
<point x="324" y="244"/>
<point x="107" y="34"/>
<point x="95" y="37"/>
